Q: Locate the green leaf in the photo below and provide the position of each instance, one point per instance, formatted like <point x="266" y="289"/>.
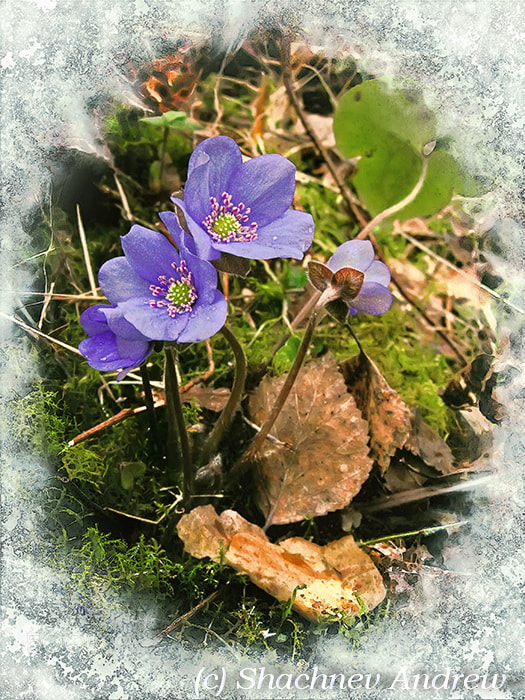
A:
<point x="284" y="357"/>
<point x="369" y="111"/>
<point x="172" y="120"/>
<point x="129" y="471"/>
<point x="388" y="129"/>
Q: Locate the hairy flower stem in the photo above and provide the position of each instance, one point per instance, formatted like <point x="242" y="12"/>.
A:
<point x="287" y="387"/>
<point x="177" y="416"/>
<point x="148" y="400"/>
<point x="237" y="391"/>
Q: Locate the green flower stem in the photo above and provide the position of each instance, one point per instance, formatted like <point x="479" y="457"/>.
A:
<point x="148" y="400"/>
<point x="176" y="415"/>
<point x="286" y="388"/>
<point x="237" y="391"/>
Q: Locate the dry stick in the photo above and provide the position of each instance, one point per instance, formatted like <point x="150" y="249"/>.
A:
<point x="125" y="204"/>
<point x="117" y="418"/>
<point x="287" y="80"/>
<point x="47" y="300"/>
<point x="404" y="497"/>
<point x="188" y="615"/>
<point x="173" y="398"/>
<point x="158" y="403"/>
<point x="87" y="259"/>
<point x="224" y="420"/>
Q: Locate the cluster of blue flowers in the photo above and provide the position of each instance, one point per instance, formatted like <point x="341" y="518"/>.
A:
<point x="165" y="289"/>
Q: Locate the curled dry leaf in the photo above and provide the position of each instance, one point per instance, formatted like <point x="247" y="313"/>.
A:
<point x="392" y="424"/>
<point x="323" y="582"/>
<point x="328" y="461"/>
<point x="387" y="414"/>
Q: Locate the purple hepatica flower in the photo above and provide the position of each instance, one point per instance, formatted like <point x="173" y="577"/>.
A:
<point x="353" y="276"/>
<point x="167" y="294"/>
<point x="242" y="208"/>
<point x="114" y="343"/>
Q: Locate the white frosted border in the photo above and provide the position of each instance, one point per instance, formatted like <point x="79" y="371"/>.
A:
<point x="56" y="55"/>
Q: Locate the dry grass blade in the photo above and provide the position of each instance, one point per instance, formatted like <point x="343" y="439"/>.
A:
<point x="85" y="251"/>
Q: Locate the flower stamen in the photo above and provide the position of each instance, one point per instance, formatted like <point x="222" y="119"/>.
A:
<point x="178" y="295"/>
<point x="227" y="222"/>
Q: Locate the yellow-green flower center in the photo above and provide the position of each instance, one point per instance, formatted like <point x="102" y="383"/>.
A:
<point x="225" y="225"/>
<point x="180" y="294"/>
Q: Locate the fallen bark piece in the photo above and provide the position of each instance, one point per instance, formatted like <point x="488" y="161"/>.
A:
<point x="322" y="582"/>
<point x="328" y="461"/>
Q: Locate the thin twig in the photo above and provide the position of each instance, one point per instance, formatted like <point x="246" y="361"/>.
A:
<point x="40" y="334"/>
<point x="125" y="204"/>
<point x="188" y="615"/>
<point x="47" y="300"/>
<point x="270" y="437"/>
<point x="424" y="531"/>
<point x="113" y="420"/>
<point x="288" y="84"/>
<point x="85" y="251"/>
<point x="147" y="520"/>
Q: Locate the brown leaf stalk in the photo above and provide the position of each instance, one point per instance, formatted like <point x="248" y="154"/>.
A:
<point x="259" y="439"/>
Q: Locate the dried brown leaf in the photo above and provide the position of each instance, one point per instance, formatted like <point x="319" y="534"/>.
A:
<point x="427" y="444"/>
<point x="211" y="399"/>
<point x="388" y="416"/>
<point x="322" y="581"/>
<point x="392" y="424"/>
<point x="328" y="461"/>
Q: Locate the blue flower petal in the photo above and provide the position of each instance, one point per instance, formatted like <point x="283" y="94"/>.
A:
<point x="101" y="351"/>
<point x="122" y="328"/>
<point x="149" y="253"/>
<point x="107" y="353"/>
<point x="287" y="237"/>
<point x="204" y="277"/>
<point x="357" y="254"/>
<point x="153" y="323"/>
<point x="181" y="238"/>
<point x="205" y="321"/>
<point x="378" y="272"/>
<point x="118" y="281"/>
<point x="266" y="184"/>
<point x="202" y="241"/>
<point x="373" y="299"/>
<point x="209" y="170"/>
<point x="93" y="320"/>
